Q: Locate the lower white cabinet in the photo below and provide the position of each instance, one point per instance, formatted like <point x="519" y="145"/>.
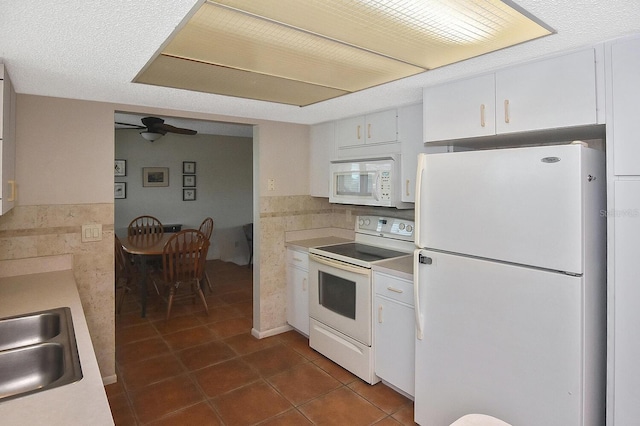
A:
<point x="298" y="290"/>
<point x="394" y="326"/>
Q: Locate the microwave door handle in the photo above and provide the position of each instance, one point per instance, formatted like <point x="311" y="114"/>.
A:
<point x="377" y="186"/>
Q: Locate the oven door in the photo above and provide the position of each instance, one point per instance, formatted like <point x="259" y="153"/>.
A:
<point x="340" y="297"/>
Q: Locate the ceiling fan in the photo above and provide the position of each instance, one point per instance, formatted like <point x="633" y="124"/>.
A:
<point x="155" y="128"/>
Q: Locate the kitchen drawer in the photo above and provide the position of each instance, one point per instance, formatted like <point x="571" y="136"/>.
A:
<point x="393" y="288"/>
<point x="299" y="259"/>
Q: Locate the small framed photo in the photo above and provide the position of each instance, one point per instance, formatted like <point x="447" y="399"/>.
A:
<point x="120" y="168"/>
<point x="120" y="190"/>
<point x="155" y="176"/>
<point x="188" y="194"/>
<point x="189" y="167"/>
<point x="189" y="181"/>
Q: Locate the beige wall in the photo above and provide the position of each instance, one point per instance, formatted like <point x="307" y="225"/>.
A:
<point x="64" y="170"/>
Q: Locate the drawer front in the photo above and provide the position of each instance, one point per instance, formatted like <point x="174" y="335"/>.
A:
<point x="393" y="287"/>
<point x="298" y="258"/>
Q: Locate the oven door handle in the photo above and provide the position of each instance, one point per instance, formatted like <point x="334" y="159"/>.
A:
<point x="339" y="265"/>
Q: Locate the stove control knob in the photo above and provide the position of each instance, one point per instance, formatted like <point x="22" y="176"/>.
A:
<point x="401" y="226"/>
<point x="409" y="228"/>
<point x="367" y="222"/>
<point x="361" y="222"/>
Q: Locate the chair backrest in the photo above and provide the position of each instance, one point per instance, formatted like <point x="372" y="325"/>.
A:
<point x="145" y="225"/>
<point x="206" y="227"/>
<point x="184" y="256"/>
<point x="123" y="265"/>
<point x="248" y="232"/>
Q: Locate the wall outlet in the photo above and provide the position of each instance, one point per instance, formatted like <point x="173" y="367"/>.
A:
<point x="91" y="232"/>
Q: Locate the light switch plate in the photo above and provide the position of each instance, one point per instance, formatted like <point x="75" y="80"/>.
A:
<point x="91" y="232"/>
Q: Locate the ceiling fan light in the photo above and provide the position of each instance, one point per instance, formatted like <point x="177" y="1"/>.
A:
<point x="151" y="136"/>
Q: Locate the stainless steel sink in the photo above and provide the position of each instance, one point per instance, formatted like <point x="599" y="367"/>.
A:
<point x="29" y="329"/>
<point x="38" y="352"/>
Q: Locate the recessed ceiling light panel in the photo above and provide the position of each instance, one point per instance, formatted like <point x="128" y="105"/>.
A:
<point x="315" y="50"/>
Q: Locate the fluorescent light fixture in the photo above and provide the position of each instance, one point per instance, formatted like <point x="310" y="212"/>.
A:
<point x="302" y="51"/>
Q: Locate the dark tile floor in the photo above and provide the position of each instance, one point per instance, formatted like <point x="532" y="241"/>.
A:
<point x="209" y="370"/>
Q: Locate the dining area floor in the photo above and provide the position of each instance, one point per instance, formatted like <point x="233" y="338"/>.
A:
<point x="199" y="369"/>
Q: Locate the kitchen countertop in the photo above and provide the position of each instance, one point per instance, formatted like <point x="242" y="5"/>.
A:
<point x="401" y="267"/>
<point x="83" y="402"/>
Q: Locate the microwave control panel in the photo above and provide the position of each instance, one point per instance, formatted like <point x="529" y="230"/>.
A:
<point x="385" y="185"/>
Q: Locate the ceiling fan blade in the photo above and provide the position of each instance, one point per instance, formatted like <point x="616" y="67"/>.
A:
<point x="157" y="125"/>
<point x="135" y="126"/>
<point x="172" y="129"/>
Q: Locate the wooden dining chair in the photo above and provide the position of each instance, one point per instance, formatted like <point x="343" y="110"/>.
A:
<point x="248" y="233"/>
<point x="182" y="260"/>
<point x="206" y="227"/>
<point x="145" y="225"/>
<point x="126" y="274"/>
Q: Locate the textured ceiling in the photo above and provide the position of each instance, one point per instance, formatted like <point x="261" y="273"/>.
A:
<point x="92" y="50"/>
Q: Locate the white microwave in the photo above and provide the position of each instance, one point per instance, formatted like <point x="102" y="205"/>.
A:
<point x="366" y="182"/>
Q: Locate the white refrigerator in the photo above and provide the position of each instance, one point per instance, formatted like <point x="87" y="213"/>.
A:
<point x="509" y="285"/>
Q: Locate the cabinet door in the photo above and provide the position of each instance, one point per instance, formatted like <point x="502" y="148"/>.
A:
<point x="7" y="142"/>
<point x="394" y="334"/>
<point x="350" y="132"/>
<point x="626" y="292"/>
<point x="298" y="299"/>
<point x="461" y="109"/>
<point x="321" y="151"/>
<point x="547" y="94"/>
<point x="381" y="127"/>
<point x="625" y="83"/>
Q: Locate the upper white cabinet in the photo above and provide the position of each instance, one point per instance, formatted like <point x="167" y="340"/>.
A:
<point x="461" y="109"/>
<point x="546" y="94"/>
<point x="625" y="101"/>
<point x="7" y="141"/>
<point x="378" y="127"/>
<point x="321" y="152"/>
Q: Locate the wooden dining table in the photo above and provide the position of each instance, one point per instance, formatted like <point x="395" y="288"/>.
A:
<point x="143" y="248"/>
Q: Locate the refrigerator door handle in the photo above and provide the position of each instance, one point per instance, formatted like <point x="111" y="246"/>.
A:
<point x="421" y="166"/>
<point x="417" y="257"/>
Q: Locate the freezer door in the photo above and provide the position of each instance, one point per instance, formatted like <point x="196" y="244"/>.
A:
<point x="521" y="205"/>
<point x="500" y="340"/>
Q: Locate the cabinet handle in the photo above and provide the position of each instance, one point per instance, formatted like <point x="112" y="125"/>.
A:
<point x="395" y="290"/>
<point x="369" y="131"/>
<point x="379" y="314"/>
<point x="297" y="259"/>
<point x="506" y="110"/>
<point x="358" y="131"/>
<point x="12" y="197"/>
<point x="482" y="108"/>
<point x="407" y="187"/>
<point x="304" y="284"/>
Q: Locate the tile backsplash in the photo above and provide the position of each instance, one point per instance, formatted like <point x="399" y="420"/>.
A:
<point x="49" y="230"/>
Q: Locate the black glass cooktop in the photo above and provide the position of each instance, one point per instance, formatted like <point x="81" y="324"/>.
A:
<point x="363" y="252"/>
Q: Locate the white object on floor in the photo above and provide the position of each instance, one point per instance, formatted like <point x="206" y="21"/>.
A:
<point x="479" y="420"/>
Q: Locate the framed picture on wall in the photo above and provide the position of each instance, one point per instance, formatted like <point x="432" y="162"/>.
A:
<point x="189" y="167"/>
<point x="188" y="194"/>
<point x="120" y="168"/>
<point x="120" y="190"/>
<point x="155" y="176"/>
<point x="189" y="181"/>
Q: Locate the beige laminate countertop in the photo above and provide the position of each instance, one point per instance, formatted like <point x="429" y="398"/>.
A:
<point x="80" y="403"/>
<point x="401" y="267"/>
